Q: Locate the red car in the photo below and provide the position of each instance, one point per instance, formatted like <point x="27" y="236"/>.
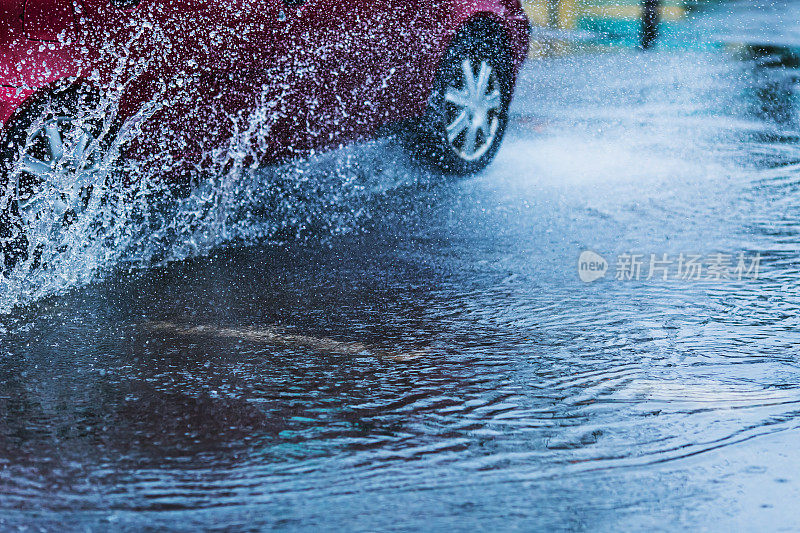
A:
<point x="287" y="76"/>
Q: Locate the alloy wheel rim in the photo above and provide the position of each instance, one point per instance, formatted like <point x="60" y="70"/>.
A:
<point x="472" y="110"/>
<point x="57" y="173"/>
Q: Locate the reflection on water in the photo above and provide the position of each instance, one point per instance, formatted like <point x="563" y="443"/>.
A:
<point x="444" y="366"/>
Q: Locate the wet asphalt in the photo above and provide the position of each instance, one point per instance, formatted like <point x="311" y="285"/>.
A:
<point x="438" y="363"/>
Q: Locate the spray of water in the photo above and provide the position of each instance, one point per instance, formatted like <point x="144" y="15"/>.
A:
<point x="136" y="219"/>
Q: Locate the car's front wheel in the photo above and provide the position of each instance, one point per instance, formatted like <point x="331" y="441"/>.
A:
<point x="465" y="120"/>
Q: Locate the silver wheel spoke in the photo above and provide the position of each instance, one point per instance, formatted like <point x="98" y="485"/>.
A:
<point x="492" y="100"/>
<point x="38" y="168"/>
<point x="490" y="128"/>
<point x="60" y="207"/>
<point x="80" y="146"/>
<point x="470" y="140"/>
<point x="54" y="141"/>
<point x="459" y="124"/>
<point x="469" y="77"/>
<point x="456" y="97"/>
<point x="483" y="79"/>
<point x="483" y="127"/>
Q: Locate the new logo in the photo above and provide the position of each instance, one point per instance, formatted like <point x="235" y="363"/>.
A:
<point x="591" y="266"/>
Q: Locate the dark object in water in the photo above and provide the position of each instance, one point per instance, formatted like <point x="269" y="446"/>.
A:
<point x="649" y="23"/>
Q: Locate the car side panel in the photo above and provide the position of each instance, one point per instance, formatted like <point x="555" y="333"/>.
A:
<point x="48" y="20"/>
<point x="11" y="22"/>
<point x="335" y="59"/>
<point x="384" y="74"/>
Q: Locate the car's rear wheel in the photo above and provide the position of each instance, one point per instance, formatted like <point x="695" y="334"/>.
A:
<point x="51" y="175"/>
<point x="465" y="120"/>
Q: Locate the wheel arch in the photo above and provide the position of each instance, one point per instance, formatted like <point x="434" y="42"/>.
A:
<point x="37" y="97"/>
<point x="483" y="18"/>
<point x="487" y="24"/>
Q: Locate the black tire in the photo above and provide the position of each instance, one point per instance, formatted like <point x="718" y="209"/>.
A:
<point x="480" y="42"/>
<point x="67" y="102"/>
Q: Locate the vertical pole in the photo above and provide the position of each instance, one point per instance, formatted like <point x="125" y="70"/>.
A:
<point x="649" y="23"/>
<point x="552" y="13"/>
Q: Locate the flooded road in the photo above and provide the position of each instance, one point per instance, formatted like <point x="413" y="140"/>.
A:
<point x="440" y="364"/>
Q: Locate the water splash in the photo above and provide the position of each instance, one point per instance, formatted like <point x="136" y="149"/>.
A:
<point x="139" y="219"/>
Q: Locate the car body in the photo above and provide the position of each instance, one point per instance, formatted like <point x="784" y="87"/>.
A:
<point x="315" y="73"/>
<point x="99" y="96"/>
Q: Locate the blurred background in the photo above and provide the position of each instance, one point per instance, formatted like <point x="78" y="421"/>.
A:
<point x="562" y="25"/>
